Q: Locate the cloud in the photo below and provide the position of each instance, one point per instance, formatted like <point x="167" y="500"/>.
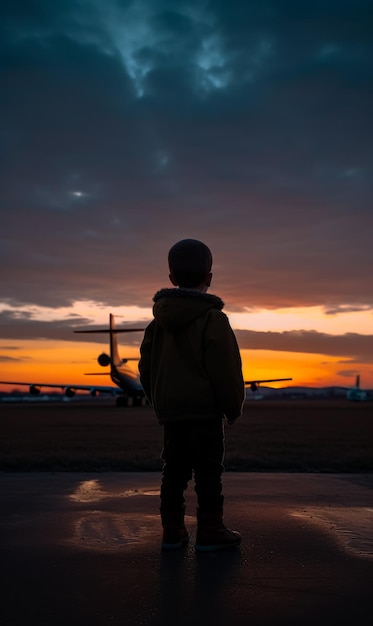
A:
<point x="19" y="325"/>
<point x="126" y="126"/>
<point x="346" y="309"/>
<point x="355" y="347"/>
<point x="358" y="347"/>
<point x="9" y="359"/>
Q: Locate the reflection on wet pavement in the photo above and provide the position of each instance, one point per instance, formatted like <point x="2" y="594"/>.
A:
<point x="105" y="531"/>
<point x="92" y="491"/>
<point x="351" y="526"/>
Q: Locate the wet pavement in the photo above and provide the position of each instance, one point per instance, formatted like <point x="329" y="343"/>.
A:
<point x="85" y="549"/>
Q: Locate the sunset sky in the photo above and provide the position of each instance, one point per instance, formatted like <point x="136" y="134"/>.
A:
<point x="128" y="125"/>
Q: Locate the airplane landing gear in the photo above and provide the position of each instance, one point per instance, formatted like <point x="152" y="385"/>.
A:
<point x="121" y="401"/>
<point x="129" y="401"/>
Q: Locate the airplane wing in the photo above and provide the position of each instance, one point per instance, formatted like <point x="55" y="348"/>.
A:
<point x="254" y="384"/>
<point x="69" y="390"/>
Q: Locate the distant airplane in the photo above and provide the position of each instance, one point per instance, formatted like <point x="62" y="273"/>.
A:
<point x="128" y="389"/>
<point x="355" y="393"/>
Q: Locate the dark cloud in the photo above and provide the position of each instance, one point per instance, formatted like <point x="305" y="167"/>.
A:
<point x="9" y="359"/>
<point x="347" y="373"/>
<point x="357" y="348"/>
<point x="125" y="127"/>
<point x="18" y="325"/>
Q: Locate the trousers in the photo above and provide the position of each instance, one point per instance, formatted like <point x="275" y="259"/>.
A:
<point x="194" y="447"/>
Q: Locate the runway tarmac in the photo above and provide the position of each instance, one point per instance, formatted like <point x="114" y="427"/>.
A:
<point x="84" y="549"/>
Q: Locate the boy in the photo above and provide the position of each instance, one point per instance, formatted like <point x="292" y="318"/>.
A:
<point x="191" y="372"/>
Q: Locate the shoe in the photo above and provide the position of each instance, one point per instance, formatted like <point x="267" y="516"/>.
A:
<point x="174" y="539"/>
<point x="213" y="535"/>
<point x="175" y="535"/>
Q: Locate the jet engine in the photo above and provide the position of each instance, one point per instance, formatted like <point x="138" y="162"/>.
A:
<point x="93" y="392"/>
<point x="69" y="393"/>
<point x="34" y="390"/>
<point x="103" y="360"/>
<point x="253" y="386"/>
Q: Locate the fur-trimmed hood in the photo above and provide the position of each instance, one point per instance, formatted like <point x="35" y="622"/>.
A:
<point x="176" y="308"/>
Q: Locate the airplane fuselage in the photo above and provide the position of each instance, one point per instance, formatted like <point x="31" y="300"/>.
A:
<point x="356" y="395"/>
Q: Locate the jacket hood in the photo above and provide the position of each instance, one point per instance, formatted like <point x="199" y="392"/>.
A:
<point x="176" y="308"/>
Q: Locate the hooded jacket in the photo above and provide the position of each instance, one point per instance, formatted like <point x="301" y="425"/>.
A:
<point x="190" y="365"/>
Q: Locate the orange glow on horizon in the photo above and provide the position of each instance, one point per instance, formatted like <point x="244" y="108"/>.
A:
<point x="64" y="362"/>
<point x="306" y="370"/>
<point x="61" y="362"/>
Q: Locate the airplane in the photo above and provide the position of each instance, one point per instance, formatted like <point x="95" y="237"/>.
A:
<point x="355" y="393"/>
<point x="128" y="390"/>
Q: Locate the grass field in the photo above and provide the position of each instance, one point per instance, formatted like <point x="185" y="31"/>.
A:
<point x="272" y="435"/>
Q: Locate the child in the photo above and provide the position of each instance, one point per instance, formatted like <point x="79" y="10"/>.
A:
<point x="191" y="372"/>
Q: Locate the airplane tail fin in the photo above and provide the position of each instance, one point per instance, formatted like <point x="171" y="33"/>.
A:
<point x="115" y="359"/>
<point x="114" y="351"/>
<point x="357" y="381"/>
